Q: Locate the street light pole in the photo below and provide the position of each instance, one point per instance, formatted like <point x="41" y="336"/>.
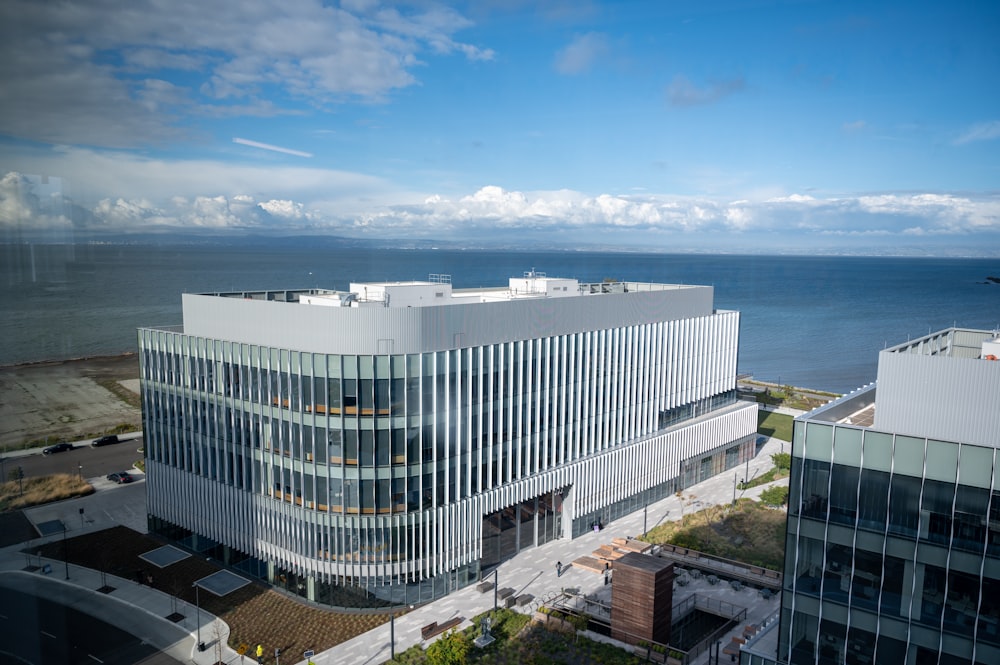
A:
<point x="496" y="583"/>
<point x="392" y="633"/>
<point x="197" y="605"/>
<point x="66" y="551"/>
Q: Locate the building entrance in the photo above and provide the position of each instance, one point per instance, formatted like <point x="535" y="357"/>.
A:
<point x="523" y="525"/>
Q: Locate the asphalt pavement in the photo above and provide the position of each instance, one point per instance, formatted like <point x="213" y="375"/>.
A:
<point x="533" y="571"/>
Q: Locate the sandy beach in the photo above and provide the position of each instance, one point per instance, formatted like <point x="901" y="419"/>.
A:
<point x="68" y="400"/>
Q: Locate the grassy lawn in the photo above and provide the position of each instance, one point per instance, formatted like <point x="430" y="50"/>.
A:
<point x="519" y="642"/>
<point x="41" y="489"/>
<point x="781" y="469"/>
<point x="768" y="476"/>
<point x="773" y="424"/>
<point x="748" y="532"/>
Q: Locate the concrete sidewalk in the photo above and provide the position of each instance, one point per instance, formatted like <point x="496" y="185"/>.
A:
<point x="532" y="572"/>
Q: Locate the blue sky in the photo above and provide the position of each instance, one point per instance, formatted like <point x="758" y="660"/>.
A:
<point x="864" y="127"/>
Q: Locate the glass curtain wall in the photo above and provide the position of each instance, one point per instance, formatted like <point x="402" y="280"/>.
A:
<point x="890" y="531"/>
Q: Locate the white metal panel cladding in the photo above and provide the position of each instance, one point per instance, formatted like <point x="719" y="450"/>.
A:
<point x="422" y="329"/>
<point x="285" y="533"/>
<point x="953" y="399"/>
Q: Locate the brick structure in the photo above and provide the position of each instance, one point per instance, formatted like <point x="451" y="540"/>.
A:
<point x="642" y="596"/>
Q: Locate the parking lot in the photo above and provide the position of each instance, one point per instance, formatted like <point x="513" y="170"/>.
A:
<point x="65" y="400"/>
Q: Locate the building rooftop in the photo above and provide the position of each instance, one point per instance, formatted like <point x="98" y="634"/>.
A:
<point x="437" y="290"/>
<point x="938" y="385"/>
<point x="954" y="343"/>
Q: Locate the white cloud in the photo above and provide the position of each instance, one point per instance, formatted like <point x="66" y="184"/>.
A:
<point x="248" y="200"/>
<point x="26" y="204"/>
<point x="983" y="131"/>
<point x="286" y="209"/>
<point x="854" y="127"/>
<point x="582" y="53"/>
<point x="682" y="92"/>
<point x="101" y="72"/>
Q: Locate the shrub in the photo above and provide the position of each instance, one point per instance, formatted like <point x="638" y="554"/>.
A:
<point x="775" y="496"/>
<point x="578" y="621"/>
<point x="782" y="460"/>
<point x="451" y="649"/>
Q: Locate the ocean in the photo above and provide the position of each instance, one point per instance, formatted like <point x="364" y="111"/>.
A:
<point x="817" y="322"/>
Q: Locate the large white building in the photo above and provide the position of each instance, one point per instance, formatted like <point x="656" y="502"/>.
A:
<point x="392" y="442"/>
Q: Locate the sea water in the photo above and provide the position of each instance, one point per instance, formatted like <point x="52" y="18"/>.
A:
<point x="811" y="321"/>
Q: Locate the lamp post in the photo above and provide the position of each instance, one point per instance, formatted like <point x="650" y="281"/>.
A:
<point x="496" y="583"/>
<point x="66" y="551"/>
<point x="392" y="633"/>
<point x="197" y="606"/>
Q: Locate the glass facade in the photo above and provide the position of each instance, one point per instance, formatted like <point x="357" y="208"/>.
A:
<point x="893" y="549"/>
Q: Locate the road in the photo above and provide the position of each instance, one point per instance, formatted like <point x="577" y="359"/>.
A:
<point x="82" y="460"/>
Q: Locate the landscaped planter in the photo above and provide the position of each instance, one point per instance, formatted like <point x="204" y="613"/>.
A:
<point x="554" y="623"/>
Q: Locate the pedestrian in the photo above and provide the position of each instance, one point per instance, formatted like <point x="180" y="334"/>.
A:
<point x="558" y="568"/>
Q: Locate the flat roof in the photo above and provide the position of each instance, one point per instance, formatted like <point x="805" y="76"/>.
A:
<point x="457" y="295"/>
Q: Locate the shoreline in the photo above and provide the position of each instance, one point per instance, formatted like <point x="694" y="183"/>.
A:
<point x="80" y="359"/>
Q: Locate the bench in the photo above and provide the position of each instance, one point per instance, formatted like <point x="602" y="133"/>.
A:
<point x="483" y="587"/>
<point x="733" y="648"/>
<point x="524" y="599"/>
<point x="435" y="628"/>
<point x="505" y="592"/>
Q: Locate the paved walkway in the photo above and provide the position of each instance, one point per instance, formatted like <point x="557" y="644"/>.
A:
<point x="534" y="571"/>
<point x="531" y="572"/>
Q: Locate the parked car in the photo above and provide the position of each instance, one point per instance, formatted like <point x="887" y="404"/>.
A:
<point x="121" y="477"/>
<point x="104" y="440"/>
<point x="58" y="448"/>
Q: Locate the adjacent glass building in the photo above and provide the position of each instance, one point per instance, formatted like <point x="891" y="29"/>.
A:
<point x="389" y="443"/>
<point x="893" y="539"/>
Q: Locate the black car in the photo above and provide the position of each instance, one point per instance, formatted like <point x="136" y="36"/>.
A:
<point x="121" y="477"/>
<point x="104" y="440"/>
<point x="58" y="448"/>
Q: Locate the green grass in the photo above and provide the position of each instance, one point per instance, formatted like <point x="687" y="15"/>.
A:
<point x="773" y="424"/>
<point x="748" y="532"/>
<point x="768" y="476"/>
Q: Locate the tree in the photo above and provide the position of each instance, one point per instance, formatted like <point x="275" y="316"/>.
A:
<point x="452" y="649"/>
<point x="782" y="460"/>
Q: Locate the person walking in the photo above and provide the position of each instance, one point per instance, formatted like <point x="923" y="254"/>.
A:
<point x="558" y="568"/>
